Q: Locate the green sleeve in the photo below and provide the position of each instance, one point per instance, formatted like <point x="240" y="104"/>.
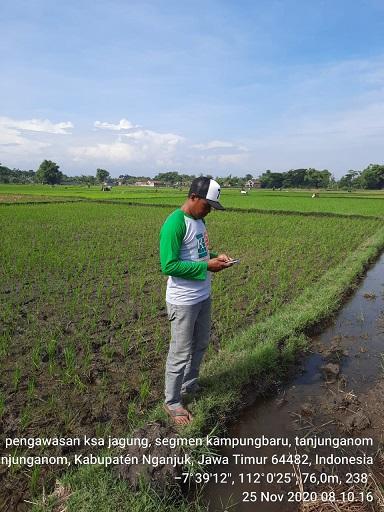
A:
<point x="171" y="238"/>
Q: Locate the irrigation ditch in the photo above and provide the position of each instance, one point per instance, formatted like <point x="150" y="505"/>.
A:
<point x="338" y="392"/>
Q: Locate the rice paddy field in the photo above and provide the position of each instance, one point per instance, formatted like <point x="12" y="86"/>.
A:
<point x="83" y="325"/>
<point x="367" y="203"/>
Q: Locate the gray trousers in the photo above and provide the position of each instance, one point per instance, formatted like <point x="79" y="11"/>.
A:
<point x="190" y="330"/>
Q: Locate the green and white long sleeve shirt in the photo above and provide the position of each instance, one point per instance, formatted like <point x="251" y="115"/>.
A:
<point x="184" y="255"/>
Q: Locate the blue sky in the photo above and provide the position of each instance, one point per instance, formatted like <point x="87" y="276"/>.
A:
<point x="201" y="86"/>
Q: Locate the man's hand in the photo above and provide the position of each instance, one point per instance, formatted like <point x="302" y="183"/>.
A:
<point x="220" y="263"/>
<point x="224" y="257"/>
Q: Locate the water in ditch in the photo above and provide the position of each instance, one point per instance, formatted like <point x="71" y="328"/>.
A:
<point x="338" y="394"/>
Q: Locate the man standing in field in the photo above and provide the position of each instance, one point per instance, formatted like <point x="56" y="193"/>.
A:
<point x="185" y="258"/>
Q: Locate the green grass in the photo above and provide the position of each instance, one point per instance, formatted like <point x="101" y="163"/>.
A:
<point x="342" y="204"/>
<point x="94" y="489"/>
<point x="369" y="203"/>
<point x="83" y="192"/>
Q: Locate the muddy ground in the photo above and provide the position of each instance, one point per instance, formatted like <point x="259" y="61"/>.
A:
<point x="336" y="392"/>
<point x="338" y="411"/>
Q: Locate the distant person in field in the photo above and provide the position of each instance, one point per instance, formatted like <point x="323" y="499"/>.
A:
<point x="186" y="259"/>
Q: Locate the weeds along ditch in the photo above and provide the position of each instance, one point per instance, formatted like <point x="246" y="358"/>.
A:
<point x="84" y="331"/>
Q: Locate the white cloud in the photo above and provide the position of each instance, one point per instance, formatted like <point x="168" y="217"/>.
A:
<point x="150" y="150"/>
<point x="124" y="124"/>
<point x="117" y="151"/>
<point x="154" y="138"/>
<point x="14" y="145"/>
<point x="24" y="142"/>
<point x="236" y="160"/>
<point x="36" y="125"/>
<point x="139" y="145"/>
<point x="12" y="142"/>
<point x="214" y="144"/>
<point x="10" y="137"/>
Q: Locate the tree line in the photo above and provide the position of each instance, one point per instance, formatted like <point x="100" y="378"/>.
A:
<point x="49" y="173"/>
<point x="372" y="177"/>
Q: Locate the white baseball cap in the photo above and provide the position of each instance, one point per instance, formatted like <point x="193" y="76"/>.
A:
<point x="208" y="189"/>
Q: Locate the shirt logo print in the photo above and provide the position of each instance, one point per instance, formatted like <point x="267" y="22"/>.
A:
<point x="201" y="246"/>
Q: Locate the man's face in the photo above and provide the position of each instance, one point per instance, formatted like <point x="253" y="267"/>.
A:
<point x="200" y="208"/>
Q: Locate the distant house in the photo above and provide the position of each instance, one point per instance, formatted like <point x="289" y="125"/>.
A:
<point x="253" y="184"/>
<point x="149" y="183"/>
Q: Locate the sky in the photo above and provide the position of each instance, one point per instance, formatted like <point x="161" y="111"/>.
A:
<point x="219" y="87"/>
